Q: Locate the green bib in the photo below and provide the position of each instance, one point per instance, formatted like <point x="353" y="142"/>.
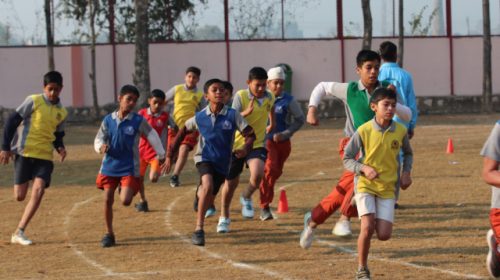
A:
<point x="359" y="104"/>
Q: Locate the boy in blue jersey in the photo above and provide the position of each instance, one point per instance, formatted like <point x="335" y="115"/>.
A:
<point x="31" y="134"/>
<point x="289" y="119"/>
<point x="216" y="124"/>
<point x="118" y="139"/>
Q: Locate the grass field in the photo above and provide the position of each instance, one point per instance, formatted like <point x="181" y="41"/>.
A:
<point x="438" y="234"/>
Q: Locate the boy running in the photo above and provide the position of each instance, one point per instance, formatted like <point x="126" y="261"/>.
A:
<point x="31" y="134"/>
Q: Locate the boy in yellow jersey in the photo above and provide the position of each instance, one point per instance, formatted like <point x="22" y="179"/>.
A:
<point x="31" y="134"/>
<point x="186" y="100"/>
<point x="379" y="142"/>
<point x="256" y="105"/>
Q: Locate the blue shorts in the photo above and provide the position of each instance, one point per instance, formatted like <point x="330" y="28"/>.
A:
<point x="237" y="163"/>
<point x="27" y="169"/>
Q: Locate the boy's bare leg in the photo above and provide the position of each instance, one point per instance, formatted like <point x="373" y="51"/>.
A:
<point x="227" y="195"/>
<point x="154" y="175"/>
<point x="181" y="159"/>
<point x="126" y="195"/>
<point x="20" y="191"/>
<point x="37" y="191"/>
<point x="205" y="198"/>
<point x="383" y="229"/>
<point x="256" y="167"/>
<point x="365" y="235"/>
<point x="109" y="198"/>
<point x="141" y="190"/>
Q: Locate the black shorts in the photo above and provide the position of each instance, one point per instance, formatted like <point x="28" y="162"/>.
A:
<point x="26" y="169"/>
<point x="237" y="163"/>
<point x="218" y="178"/>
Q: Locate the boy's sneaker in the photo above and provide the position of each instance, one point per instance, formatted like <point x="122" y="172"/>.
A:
<point x="174" y="181"/>
<point x="342" y="228"/>
<point x="210" y="211"/>
<point x="246" y="208"/>
<point x="198" y="238"/>
<point x="307" y="235"/>
<point x="363" y="274"/>
<point x="492" y="261"/>
<point x="266" y="214"/>
<point x="142" y="206"/>
<point x="108" y="240"/>
<point x="223" y="225"/>
<point x="20" y="238"/>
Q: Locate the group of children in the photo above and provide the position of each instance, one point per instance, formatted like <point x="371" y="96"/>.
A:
<point x="253" y="129"/>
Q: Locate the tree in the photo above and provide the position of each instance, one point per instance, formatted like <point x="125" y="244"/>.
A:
<point x="401" y="33"/>
<point x="487" y="103"/>
<point x="141" y="73"/>
<point x="367" y="23"/>
<point x="49" y="28"/>
<point x="251" y="19"/>
<point x="417" y="23"/>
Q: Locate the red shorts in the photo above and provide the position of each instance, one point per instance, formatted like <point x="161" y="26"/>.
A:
<point x="190" y="140"/>
<point x="110" y="182"/>
<point x="155" y="166"/>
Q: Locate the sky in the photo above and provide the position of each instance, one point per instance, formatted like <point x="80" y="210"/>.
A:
<point x="312" y="18"/>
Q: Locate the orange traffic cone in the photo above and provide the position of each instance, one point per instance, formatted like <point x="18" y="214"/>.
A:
<point x="283" y="203"/>
<point x="449" y="148"/>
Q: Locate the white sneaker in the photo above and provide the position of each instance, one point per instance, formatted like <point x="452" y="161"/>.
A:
<point x="223" y="225"/>
<point x="307" y="235"/>
<point x="342" y="228"/>
<point x="246" y="208"/>
<point x="492" y="261"/>
<point x="20" y="238"/>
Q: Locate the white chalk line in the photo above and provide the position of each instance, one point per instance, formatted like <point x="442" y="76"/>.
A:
<point x="373" y="257"/>
<point x="107" y="271"/>
<point x="236" y="264"/>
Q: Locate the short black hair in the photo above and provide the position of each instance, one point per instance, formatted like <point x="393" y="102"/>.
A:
<point x="388" y="51"/>
<point x="227" y="85"/>
<point x="52" y="77"/>
<point x="257" y="73"/>
<point x="211" y="82"/>
<point x="383" y="93"/>
<point x="129" y="89"/>
<point x="158" y="93"/>
<point x="194" y="69"/>
<point x="366" y="55"/>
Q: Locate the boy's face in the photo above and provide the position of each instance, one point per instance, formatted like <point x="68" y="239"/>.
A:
<point x="155" y="104"/>
<point x="368" y="72"/>
<point x="216" y="93"/>
<point x="384" y="109"/>
<point x="52" y="91"/>
<point x="227" y="95"/>
<point x="257" y="87"/>
<point x="191" y="80"/>
<point x="276" y="86"/>
<point x="127" y="102"/>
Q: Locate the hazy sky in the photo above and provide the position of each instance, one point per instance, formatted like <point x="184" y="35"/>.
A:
<point x="26" y="19"/>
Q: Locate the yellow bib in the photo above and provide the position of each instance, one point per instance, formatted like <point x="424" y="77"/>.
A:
<point x="185" y="103"/>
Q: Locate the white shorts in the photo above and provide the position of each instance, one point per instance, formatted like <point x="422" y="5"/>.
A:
<point x="383" y="208"/>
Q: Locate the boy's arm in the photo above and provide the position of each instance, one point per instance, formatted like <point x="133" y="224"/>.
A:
<point x="58" y="142"/>
<point x="412" y="103"/>
<point x="350" y="163"/>
<point x="272" y="121"/>
<point x="322" y="89"/>
<point x="490" y="172"/>
<point x="298" y="120"/>
<point x="173" y="147"/>
<point x="153" y="138"/>
<point x="248" y="133"/>
<point x="101" y="139"/>
<point x="15" y="119"/>
<point x="407" y="163"/>
<point x="491" y="154"/>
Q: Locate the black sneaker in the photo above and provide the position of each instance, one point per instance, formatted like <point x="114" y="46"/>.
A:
<point x="142" y="206"/>
<point x="266" y="214"/>
<point x="363" y="274"/>
<point x="108" y="240"/>
<point x="174" y="181"/>
<point x="198" y="238"/>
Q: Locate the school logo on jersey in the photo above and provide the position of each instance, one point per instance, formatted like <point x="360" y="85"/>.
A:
<point x="129" y="130"/>
<point x="278" y="110"/>
<point x="395" y="144"/>
<point x="226" y="125"/>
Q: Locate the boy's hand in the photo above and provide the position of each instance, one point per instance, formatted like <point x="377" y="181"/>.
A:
<point x="278" y="137"/>
<point x="405" y="180"/>
<point x="166" y="166"/>
<point x="5" y="156"/>
<point x="62" y="152"/>
<point x="103" y="149"/>
<point x="269" y="128"/>
<point x="248" y="110"/>
<point x="312" y="119"/>
<point x="369" y="172"/>
<point x="240" y="153"/>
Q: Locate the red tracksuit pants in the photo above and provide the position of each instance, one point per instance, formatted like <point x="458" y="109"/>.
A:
<point x="277" y="154"/>
<point x="339" y="197"/>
